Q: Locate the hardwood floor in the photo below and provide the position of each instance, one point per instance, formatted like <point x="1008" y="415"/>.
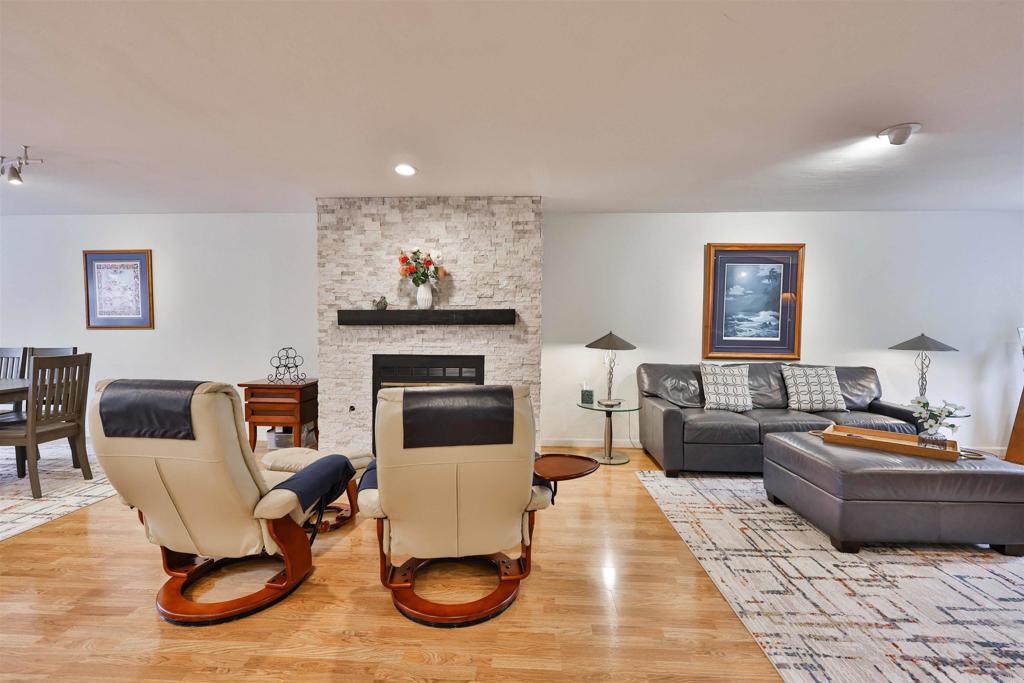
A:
<point x="615" y="595"/>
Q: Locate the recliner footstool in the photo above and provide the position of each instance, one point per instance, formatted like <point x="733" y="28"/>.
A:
<point x="858" y="496"/>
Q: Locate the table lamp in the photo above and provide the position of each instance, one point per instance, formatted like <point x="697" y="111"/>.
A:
<point x="923" y="344"/>
<point x="610" y="344"/>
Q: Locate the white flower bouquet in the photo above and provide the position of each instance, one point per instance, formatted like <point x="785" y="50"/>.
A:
<point x="934" y="418"/>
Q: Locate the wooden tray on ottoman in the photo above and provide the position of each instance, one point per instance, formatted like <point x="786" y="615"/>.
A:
<point x="891" y="442"/>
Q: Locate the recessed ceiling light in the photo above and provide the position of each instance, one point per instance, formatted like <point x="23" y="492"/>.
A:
<point x="899" y="133"/>
<point x="405" y="169"/>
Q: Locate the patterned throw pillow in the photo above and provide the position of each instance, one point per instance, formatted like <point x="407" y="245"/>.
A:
<point x="726" y="388"/>
<point x="813" y="389"/>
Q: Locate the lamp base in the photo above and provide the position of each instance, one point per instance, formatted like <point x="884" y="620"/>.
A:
<point x="613" y="458"/>
<point x="609" y="402"/>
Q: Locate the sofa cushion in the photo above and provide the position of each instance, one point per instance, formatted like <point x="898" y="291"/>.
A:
<point x="767" y="385"/>
<point x="725" y="388"/>
<point x="678" y="384"/>
<point x="859" y="418"/>
<point x="718" y="426"/>
<point x="862" y="474"/>
<point x="767" y="388"/>
<point x="813" y="388"/>
<point x="771" y="420"/>
<point x="860" y="386"/>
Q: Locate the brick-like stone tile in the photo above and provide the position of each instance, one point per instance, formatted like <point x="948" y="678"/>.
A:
<point x="492" y="248"/>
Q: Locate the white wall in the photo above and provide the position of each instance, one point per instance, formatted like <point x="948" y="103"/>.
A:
<point x="228" y="291"/>
<point x="872" y="279"/>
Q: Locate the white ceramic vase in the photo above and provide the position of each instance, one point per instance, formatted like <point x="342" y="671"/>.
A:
<point x="424" y="296"/>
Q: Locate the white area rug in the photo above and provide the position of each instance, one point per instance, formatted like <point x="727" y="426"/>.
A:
<point x="889" y="613"/>
<point x="64" y="489"/>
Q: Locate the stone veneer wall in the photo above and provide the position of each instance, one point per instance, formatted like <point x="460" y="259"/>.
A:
<point x="492" y="249"/>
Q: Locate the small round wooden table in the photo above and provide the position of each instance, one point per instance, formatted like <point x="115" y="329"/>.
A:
<point x="556" y="467"/>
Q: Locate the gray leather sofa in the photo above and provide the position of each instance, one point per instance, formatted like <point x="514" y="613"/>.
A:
<point x="677" y="432"/>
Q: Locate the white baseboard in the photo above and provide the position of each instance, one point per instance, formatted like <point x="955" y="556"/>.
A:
<point x="588" y="443"/>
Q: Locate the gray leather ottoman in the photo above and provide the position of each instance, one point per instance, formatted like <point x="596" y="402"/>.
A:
<point x="859" y="496"/>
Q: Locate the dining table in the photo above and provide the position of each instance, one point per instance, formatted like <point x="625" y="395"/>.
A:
<point x="13" y="390"/>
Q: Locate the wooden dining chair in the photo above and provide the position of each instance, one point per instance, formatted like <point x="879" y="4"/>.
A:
<point x="12" y="366"/>
<point x="44" y="351"/>
<point x="55" y="409"/>
<point x="12" y="362"/>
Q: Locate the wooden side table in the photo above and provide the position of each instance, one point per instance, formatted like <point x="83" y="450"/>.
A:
<point x="286" y="404"/>
<point x="556" y="467"/>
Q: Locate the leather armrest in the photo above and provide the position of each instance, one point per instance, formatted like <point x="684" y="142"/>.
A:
<point x="895" y="410"/>
<point x="661" y="431"/>
<point x="277" y="504"/>
<point x="540" y="498"/>
<point x="369" y="503"/>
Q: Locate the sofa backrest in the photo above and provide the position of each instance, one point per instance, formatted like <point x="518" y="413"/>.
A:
<point x="678" y="384"/>
<point x="681" y="384"/>
<point x="859" y="384"/>
<point x="767" y="388"/>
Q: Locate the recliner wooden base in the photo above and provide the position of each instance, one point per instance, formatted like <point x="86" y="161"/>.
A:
<point x="401" y="581"/>
<point x="173" y="606"/>
<point x="444" y="615"/>
<point x="343" y="514"/>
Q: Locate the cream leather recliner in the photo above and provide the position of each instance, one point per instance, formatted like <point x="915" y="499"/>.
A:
<point x="454" y="479"/>
<point x="178" y="452"/>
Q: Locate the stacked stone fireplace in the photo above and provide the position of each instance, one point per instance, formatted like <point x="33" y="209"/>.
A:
<point x="492" y="250"/>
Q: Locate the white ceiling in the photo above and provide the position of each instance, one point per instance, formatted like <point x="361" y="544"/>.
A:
<point x="695" y="106"/>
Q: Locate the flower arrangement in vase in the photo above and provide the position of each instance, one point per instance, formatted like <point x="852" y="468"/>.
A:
<point x="933" y="418"/>
<point x="424" y="271"/>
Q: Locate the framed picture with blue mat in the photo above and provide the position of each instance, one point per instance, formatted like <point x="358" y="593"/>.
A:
<point x="753" y="295"/>
<point x="118" y="289"/>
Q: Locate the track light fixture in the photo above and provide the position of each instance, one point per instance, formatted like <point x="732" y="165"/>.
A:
<point x="900" y="133"/>
<point x="13" y="168"/>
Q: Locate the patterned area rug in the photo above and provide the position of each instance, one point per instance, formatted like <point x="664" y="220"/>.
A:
<point x="889" y="613"/>
<point x="64" y="489"/>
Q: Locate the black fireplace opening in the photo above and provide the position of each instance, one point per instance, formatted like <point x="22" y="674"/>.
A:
<point x="418" y="370"/>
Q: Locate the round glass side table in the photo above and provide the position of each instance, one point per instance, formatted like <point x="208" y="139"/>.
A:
<point x="609" y="457"/>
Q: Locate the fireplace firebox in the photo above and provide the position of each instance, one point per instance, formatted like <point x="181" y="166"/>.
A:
<point x="417" y="370"/>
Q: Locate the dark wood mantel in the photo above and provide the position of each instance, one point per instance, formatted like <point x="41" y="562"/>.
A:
<point x="442" y="316"/>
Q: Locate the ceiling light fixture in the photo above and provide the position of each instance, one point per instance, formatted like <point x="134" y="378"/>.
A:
<point x="405" y="170"/>
<point x="899" y="133"/>
<point x="15" y="166"/>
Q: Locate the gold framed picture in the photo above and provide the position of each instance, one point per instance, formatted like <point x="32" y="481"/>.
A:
<point x="753" y="296"/>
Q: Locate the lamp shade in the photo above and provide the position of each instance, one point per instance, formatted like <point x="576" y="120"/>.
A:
<point x="610" y="342"/>
<point x="922" y="342"/>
